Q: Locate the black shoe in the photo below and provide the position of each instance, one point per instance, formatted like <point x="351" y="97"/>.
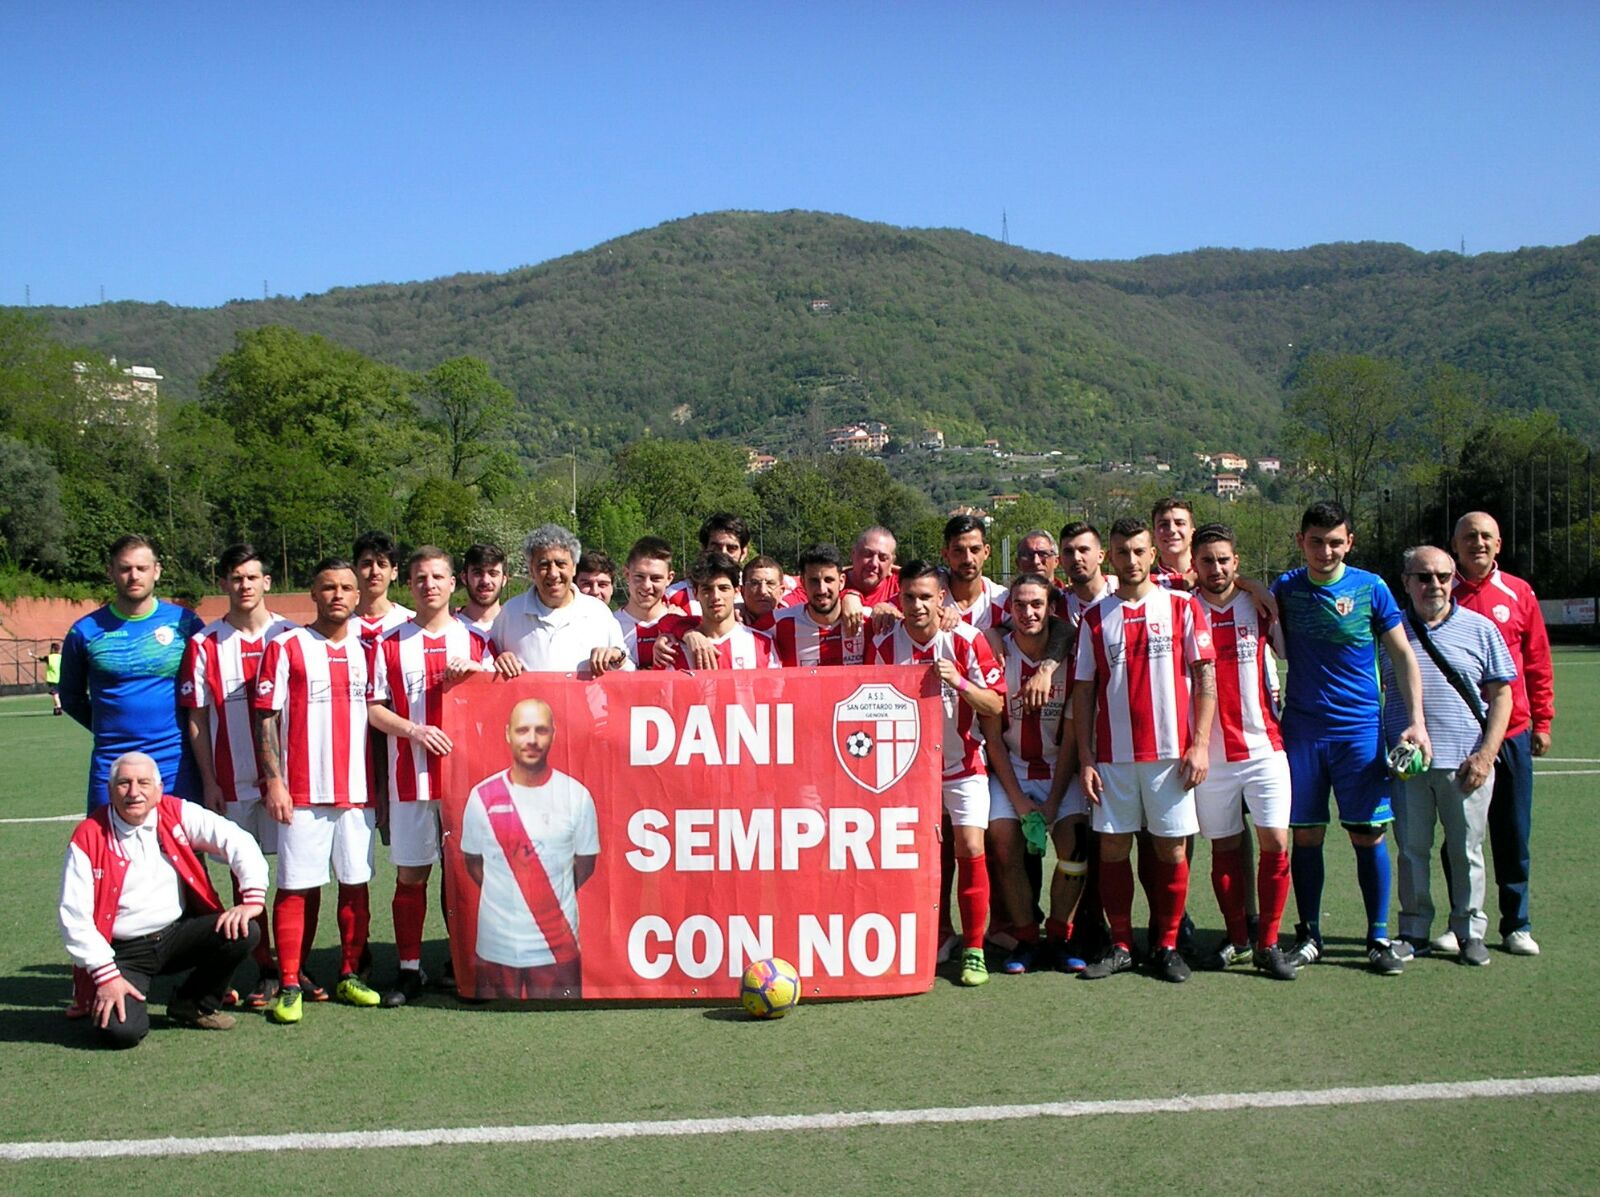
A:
<point x="1169" y="965"/>
<point x="1274" y="963"/>
<point x="1117" y="959"/>
<point x="446" y="980"/>
<point x="1307" y="947"/>
<point x="1382" y="958"/>
<point x="407" y="988"/>
<point x="1226" y="955"/>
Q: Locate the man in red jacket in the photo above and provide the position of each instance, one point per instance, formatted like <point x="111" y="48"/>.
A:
<point x="1510" y="604"/>
<point x="132" y="876"/>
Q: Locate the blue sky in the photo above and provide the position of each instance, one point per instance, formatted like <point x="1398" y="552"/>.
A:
<point x="189" y="152"/>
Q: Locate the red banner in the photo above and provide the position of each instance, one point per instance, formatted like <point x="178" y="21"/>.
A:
<point x="648" y="835"/>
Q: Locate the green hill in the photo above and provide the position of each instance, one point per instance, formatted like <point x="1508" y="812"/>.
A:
<point x="707" y="326"/>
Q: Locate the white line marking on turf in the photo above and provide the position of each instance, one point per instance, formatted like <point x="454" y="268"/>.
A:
<point x="1565" y="772"/>
<point x="674" y="1128"/>
<point x="47" y="819"/>
<point x="1569" y="760"/>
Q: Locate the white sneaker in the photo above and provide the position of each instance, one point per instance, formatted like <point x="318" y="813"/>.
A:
<point x="1445" y="943"/>
<point x="947" y="947"/>
<point x="1521" y="943"/>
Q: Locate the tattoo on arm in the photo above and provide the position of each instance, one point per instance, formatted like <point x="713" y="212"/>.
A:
<point x="269" y="755"/>
<point x="1205" y="679"/>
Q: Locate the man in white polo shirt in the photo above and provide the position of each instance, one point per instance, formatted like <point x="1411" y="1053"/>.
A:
<point x="552" y="628"/>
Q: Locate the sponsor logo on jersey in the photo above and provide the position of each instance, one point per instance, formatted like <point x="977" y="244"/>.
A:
<point x="876" y="735"/>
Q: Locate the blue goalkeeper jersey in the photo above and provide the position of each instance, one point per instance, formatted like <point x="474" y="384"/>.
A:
<point x="1331" y="631"/>
<point x="119" y="678"/>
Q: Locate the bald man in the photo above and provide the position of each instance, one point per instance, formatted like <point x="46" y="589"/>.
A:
<point x="530" y="838"/>
<point x="1510" y="604"/>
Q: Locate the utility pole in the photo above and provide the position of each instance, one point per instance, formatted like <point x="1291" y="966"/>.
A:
<point x="1005" y="228"/>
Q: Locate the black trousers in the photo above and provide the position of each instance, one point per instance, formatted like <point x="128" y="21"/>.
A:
<point x="192" y="944"/>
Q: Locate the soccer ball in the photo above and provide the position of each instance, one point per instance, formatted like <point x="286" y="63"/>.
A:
<point x="770" y="988"/>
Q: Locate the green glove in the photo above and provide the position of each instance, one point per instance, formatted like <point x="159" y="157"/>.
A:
<point x="1035" y="832"/>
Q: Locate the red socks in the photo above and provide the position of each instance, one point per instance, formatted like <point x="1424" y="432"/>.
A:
<point x="410" y="908"/>
<point x="289" y="910"/>
<point x="1116" y="895"/>
<point x="1272" y="891"/>
<point x="1229" y="880"/>
<point x="1172" y="892"/>
<point x="354" y="920"/>
<point x="972" y="897"/>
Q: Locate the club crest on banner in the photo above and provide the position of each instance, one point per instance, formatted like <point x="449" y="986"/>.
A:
<point x="876" y="735"/>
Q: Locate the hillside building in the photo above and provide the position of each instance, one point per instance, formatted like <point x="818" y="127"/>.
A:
<point x="125" y="402"/>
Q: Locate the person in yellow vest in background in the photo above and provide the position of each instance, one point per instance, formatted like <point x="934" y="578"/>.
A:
<point x="52" y="676"/>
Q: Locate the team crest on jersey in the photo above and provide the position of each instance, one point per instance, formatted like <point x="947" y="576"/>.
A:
<point x="1501" y="612"/>
<point x="163" y="636"/>
<point x="1203" y="639"/>
<point x="264" y="686"/>
<point x="186" y="689"/>
<point x="1344" y="604"/>
<point x="876" y="734"/>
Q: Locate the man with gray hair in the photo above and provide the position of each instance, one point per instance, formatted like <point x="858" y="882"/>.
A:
<point x="1466" y="704"/>
<point x="136" y="903"/>
<point x="551" y="627"/>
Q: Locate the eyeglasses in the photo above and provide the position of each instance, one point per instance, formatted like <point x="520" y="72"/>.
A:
<point x="1428" y="577"/>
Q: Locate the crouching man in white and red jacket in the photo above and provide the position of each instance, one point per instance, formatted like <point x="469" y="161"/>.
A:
<point x="136" y="903"/>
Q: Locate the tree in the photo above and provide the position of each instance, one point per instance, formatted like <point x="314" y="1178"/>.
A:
<point x="32" y="520"/>
<point x="471" y="412"/>
<point x="1347" y="421"/>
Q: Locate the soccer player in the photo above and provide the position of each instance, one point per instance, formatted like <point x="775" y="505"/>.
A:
<point x="377" y="558"/>
<point x="1143" y="741"/>
<point x="978" y="601"/>
<point x="716" y="589"/>
<point x="1173" y="522"/>
<point x="1031" y="777"/>
<point x="405" y="702"/>
<point x="215" y="688"/>
<point x="722" y="532"/>
<point x="597" y="576"/>
<point x="310" y="722"/>
<point x="1083" y="557"/>
<point x="1248" y="764"/>
<point x="973" y="688"/>
<point x="530" y="839"/>
<point x="646" y="614"/>
<point x="485" y="569"/>
<point x="874" y="576"/>
<point x="815" y="633"/>
<point x="550" y="627"/>
<point x="1333" y="616"/>
<point x="1482" y="586"/>
<point x="119" y="674"/>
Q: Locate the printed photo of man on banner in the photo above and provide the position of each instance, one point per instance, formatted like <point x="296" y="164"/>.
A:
<point x="649" y="835"/>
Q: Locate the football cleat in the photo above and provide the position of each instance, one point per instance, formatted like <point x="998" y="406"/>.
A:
<point x="353" y="991"/>
<point x="1116" y="959"/>
<point x="1169" y="965"/>
<point x="286" y="1007"/>
<point x="1307" y="947"/>
<point x="974" y="969"/>
<point x="261" y="996"/>
<point x="407" y="988"/>
<point x="313" y="991"/>
<point x="1228" y="954"/>
<point x="1275" y="963"/>
<point x="1383" y="959"/>
<point x="1021" y="960"/>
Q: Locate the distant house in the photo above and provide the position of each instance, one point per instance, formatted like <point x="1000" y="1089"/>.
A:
<point x="1269" y="465"/>
<point x="869" y="436"/>
<point x="998" y="501"/>
<point x="1163" y="467"/>
<point x="1203" y="458"/>
<point x="758" y="463"/>
<point x="991" y="443"/>
<point x="932" y="438"/>
<point x="968" y="509"/>
<point x="1232" y="461"/>
<point x="126" y="402"/>
<point x="1227" y="486"/>
<point x="821" y="305"/>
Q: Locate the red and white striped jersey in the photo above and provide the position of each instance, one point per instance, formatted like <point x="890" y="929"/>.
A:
<point x="219" y="671"/>
<point x="988" y="610"/>
<point x="320" y="689"/>
<point x="1071" y="608"/>
<point x="409" y="674"/>
<point x="1168" y="578"/>
<point x="1246" y="723"/>
<point x="680" y="595"/>
<point x="481" y="626"/>
<point x="640" y="638"/>
<point x="965" y="647"/>
<point x="741" y="648"/>
<point x="371" y="630"/>
<point x="1033" y="738"/>
<point x="801" y="640"/>
<point x="1138" y="655"/>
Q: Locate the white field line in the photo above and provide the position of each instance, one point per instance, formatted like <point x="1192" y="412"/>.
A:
<point x="1569" y="760"/>
<point x="682" y="1127"/>
<point x="47" y="819"/>
<point x="1544" y="773"/>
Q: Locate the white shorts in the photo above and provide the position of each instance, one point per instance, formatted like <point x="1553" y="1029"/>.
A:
<point x="413" y="833"/>
<point x="1263" y="784"/>
<point x="1036" y="791"/>
<point x="966" y="800"/>
<point x="319" y="834"/>
<point x="250" y="814"/>
<point x="1136" y="794"/>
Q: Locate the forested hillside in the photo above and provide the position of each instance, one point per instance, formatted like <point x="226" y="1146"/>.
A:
<point x="707" y="326"/>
